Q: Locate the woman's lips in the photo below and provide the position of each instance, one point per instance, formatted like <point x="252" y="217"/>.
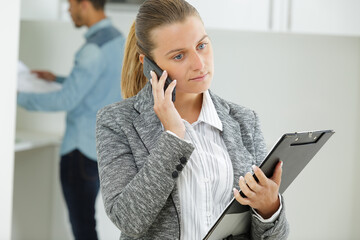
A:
<point x="199" y="78"/>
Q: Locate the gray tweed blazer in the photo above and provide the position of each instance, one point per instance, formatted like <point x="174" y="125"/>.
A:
<point x="137" y="166"/>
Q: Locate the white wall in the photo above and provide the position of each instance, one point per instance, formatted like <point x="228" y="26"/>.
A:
<point x="235" y="14"/>
<point x="356" y="195"/>
<point x="39" y="9"/>
<point x="9" y="24"/>
<point x="40" y="49"/>
<point x="295" y="82"/>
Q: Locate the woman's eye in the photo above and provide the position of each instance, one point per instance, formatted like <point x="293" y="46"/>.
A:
<point x="178" y="57"/>
<point x="202" y="46"/>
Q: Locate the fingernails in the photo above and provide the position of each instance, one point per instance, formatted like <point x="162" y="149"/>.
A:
<point x="254" y="167"/>
<point x="150" y="81"/>
<point x="164" y="72"/>
<point x="281" y="165"/>
<point x="235" y="191"/>
<point x="241" y="178"/>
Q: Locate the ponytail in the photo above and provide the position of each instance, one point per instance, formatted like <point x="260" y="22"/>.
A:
<point x="132" y="77"/>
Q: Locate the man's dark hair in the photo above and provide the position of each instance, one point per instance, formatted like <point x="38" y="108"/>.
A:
<point x="98" y="4"/>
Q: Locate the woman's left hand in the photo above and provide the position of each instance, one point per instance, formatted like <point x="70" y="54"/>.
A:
<point x="263" y="196"/>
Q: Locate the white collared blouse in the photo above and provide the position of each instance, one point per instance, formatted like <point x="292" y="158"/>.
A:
<point x="205" y="184"/>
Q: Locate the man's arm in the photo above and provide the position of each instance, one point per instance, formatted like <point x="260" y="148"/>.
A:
<point x="88" y="66"/>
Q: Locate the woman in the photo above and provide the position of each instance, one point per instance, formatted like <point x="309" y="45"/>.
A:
<point x="167" y="169"/>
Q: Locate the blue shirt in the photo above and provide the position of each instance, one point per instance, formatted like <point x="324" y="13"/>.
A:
<point x="93" y="83"/>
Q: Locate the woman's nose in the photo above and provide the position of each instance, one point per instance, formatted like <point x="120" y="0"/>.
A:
<point x="197" y="61"/>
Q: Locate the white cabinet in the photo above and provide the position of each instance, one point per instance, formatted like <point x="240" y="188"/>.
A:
<point x="280" y="18"/>
<point x="234" y="14"/>
<point x="337" y="17"/>
<point x="39" y="9"/>
<point x="36" y="155"/>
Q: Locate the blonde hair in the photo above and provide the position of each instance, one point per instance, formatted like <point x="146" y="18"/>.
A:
<point x="152" y="14"/>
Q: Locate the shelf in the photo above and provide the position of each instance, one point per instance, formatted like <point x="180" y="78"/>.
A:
<point x="27" y="140"/>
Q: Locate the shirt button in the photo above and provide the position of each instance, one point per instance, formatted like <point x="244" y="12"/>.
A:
<point x="208" y="214"/>
<point x="175" y="174"/>
<point x="206" y="180"/>
<point x="183" y="160"/>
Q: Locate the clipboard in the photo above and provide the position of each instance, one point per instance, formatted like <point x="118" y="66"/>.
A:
<point x="295" y="150"/>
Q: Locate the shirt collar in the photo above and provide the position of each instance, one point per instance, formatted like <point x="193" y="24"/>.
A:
<point x="97" y="26"/>
<point x="208" y="112"/>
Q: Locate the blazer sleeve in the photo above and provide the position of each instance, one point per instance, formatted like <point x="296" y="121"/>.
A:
<point x="134" y="197"/>
<point x="278" y="230"/>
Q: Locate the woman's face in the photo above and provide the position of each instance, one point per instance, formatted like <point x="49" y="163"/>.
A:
<point x="184" y="50"/>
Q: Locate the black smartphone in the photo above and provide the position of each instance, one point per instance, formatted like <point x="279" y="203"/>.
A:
<point x="150" y="65"/>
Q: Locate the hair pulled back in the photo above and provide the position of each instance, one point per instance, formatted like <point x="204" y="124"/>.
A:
<point x="152" y="14"/>
<point x="98" y="4"/>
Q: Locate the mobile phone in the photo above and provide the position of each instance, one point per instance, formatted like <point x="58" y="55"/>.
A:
<point x="150" y="65"/>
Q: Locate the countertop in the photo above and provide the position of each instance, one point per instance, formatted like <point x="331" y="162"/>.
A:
<point x="27" y="140"/>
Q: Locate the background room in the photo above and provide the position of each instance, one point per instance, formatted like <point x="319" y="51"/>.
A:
<point x="295" y="62"/>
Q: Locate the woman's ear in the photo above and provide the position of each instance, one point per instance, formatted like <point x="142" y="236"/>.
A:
<point x="141" y="58"/>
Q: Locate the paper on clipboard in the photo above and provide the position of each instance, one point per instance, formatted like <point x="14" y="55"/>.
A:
<point x="29" y="82"/>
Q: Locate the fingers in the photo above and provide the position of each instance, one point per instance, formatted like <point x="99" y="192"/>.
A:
<point x="276" y="177"/>
<point x="260" y="175"/>
<point x="250" y="186"/>
<point x="260" y="194"/>
<point x="251" y="182"/>
<point x="161" y="81"/>
<point x="239" y="198"/>
<point x="164" y="107"/>
<point x="48" y="76"/>
<point x="158" y="84"/>
<point x="169" y="90"/>
<point x="245" y="188"/>
<point x="154" y="79"/>
<point x="163" y="78"/>
<point x="154" y="83"/>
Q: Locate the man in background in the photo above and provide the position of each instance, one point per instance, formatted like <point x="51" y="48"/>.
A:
<point x="93" y="83"/>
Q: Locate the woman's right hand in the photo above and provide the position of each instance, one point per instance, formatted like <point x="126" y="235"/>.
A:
<point x="164" y="107"/>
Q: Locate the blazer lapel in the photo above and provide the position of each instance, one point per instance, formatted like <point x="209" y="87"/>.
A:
<point x="147" y="124"/>
<point x="149" y="128"/>
<point x="233" y="140"/>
